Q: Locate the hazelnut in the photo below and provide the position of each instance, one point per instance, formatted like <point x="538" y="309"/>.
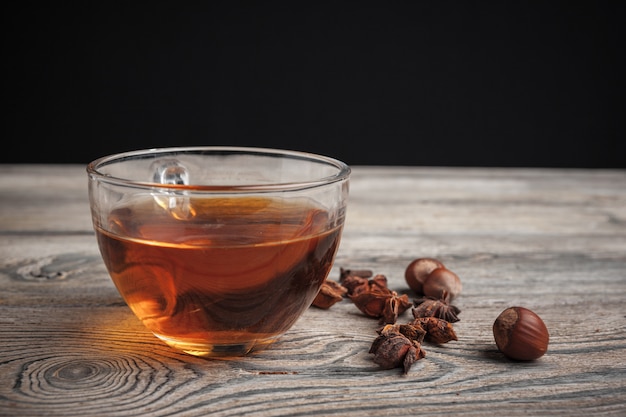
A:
<point x="418" y="270"/>
<point x="520" y="334"/>
<point x="442" y="283"/>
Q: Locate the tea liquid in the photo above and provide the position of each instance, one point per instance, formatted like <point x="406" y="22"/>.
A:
<point x="235" y="273"/>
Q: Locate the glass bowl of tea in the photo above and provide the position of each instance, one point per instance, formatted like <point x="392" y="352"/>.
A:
<point x="218" y="250"/>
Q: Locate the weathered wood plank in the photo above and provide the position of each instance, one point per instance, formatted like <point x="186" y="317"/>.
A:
<point x="551" y="240"/>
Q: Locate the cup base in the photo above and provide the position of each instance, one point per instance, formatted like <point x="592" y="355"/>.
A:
<point x="222" y="350"/>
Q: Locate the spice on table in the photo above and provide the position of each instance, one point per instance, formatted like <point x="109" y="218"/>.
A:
<point x="378" y="301"/>
<point x="329" y="294"/>
<point x="438" y="331"/>
<point x="435" y="307"/>
<point x="410" y="331"/>
<point x="393" y="349"/>
<point x="363" y="273"/>
<point x="400" y="345"/>
<point x="357" y="284"/>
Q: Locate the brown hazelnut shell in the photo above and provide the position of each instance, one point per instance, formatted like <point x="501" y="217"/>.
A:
<point x="442" y="283"/>
<point x="418" y="270"/>
<point x="521" y="334"/>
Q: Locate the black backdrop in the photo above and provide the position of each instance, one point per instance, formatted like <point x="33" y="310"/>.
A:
<point x="452" y="83"/>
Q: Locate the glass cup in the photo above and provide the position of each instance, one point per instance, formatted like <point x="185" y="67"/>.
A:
<point x="218" y="250"/>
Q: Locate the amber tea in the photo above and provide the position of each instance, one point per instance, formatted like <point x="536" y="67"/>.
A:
<point x="218" y="250"/>
<point x="229" y="276"/>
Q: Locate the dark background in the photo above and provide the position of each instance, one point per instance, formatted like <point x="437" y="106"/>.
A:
<point x="451" y="83"/>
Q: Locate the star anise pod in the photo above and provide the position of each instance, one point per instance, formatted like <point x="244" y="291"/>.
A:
<point x="394" y="306"/>
<point x="363" y="273"/>
<point x="382" y="303"/>
<point x="357" y="284"/>
<point x="410" y="331"/>
<point x="438" y="330"/>
<point x="435" y="307"/>
<point x="330" y="293"/>
<point x="393" y="349"/>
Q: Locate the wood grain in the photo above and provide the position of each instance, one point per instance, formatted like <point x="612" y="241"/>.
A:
<point x="551" y="240"/>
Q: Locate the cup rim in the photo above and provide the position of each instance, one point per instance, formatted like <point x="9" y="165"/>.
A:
<point x="343" y="169"/>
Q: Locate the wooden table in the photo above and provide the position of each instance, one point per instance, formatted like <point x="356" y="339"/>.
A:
<point x="551" y="240"/>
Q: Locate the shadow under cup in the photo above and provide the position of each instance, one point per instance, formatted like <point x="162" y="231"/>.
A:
<point x="218" y="250"/>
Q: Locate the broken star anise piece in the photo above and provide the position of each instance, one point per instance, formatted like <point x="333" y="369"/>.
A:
<point x="392" y="349"/>
<point x="435" y="307"/>
<point x="330" y="293"/>
<point x="381" y="302"/>
<point x="438" y="330"/>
